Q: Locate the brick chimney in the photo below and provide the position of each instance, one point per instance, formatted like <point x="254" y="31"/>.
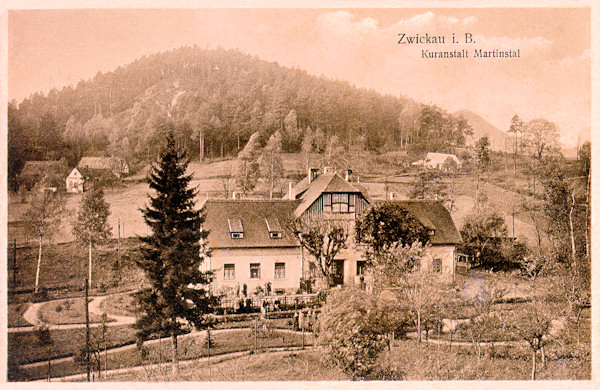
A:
<point x="312" y="174"/>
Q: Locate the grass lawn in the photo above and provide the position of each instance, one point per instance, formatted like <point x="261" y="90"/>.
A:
<point x="306" y="365"/>
<point x="15" y="315"/>
<point x="119" y="304"/>
<point x="190" y="347"/>
<point x="506" y="363"/>
<point x="25" y="347"/>
<point x="64" y="268"/>
<point x="68" y="311"/>
<point x="432" y="363"/>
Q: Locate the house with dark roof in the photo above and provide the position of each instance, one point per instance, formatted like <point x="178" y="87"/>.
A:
<point x="116" y="165"/>
<point x="253" y="244"/>
<point x="48" y="172"/>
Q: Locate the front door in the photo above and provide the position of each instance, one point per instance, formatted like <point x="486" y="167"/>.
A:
<point x="338" y="276"/>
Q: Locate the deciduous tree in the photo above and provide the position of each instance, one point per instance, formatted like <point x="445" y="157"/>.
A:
<point x="323" y="239"/>
<point x="541" y="136"/>
<point x="247" y="169"/>
<point x="483" y="235"/>
<point x="44" y="219"/>
<point x="353" y="330"/>
<point x="91" y="226"/>
<point x="271" y="166"/>
<point x="482" y="161"/>
<point x="386" y="226"/>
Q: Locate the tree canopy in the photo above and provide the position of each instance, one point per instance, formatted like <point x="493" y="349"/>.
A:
<point x="216" y="99"/>
<point x="387" y="225"/>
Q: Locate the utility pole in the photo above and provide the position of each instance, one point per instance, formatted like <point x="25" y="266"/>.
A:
<point x="87" y="331"/>
<point x="255" y="334"/>
<point x="14" y="263"/>
<point x="208" y="345"/>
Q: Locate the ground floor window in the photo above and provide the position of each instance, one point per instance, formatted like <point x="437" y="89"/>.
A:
<point x="279" y="270"/>
<point x="229" y="271"/>
<point x="436" y="266"/>
<point x="254" y="270"/>
<point x="360" y="268"/>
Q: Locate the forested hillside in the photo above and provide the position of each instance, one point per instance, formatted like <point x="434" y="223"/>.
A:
<point x="216" y="98"/>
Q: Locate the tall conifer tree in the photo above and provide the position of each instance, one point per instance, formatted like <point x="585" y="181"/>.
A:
<point x="173" y="253"/>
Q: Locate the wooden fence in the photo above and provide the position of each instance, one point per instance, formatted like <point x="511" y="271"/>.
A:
<point x="283" y="300"/>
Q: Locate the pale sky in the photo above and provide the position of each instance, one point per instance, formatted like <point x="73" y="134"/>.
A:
<point x="552" y="79"/>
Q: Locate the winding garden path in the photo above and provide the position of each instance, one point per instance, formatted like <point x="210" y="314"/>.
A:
<point x="31" y="315"/>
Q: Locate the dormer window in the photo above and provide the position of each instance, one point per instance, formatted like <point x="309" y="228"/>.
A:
<point x="273" y="227"/>
<point x="431" y="232"/>
<point x="236" y="229"/>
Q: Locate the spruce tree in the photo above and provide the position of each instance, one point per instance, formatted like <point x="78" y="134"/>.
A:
<point x="173" y="253"/>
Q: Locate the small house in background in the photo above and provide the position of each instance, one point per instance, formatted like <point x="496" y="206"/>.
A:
<point x="440" y="161"/>
<point x="116" y="165"/>
<point x="80" y="179"/>
<point x="48" y="172"/>
<point x="75" y="181"/>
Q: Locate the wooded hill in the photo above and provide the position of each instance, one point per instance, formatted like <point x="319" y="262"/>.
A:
<point x="217" y="98"/>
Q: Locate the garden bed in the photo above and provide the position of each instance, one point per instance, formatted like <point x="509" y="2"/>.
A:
<point x="67" y="311"/>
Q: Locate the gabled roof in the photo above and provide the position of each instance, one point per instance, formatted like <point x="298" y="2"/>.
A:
<point x="116" y="164"/>
<point x="433" y="215"/>
<point x="252" y="215"/>
<point x="331" y="182"/>
<point x="41" y="168"/>
<point x="97" y="174"/>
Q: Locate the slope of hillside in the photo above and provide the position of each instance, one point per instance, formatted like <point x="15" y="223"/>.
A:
<point x="499" y="140"/>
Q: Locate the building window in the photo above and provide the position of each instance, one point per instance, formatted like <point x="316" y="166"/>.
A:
<point x="436" y="266"/>
<point x="229" y="271"/>
<point x="327" y="203"/>
<point x="360" y="268"/>
<point x="339" y="203"/>
<point x="279" y="270"/>
<point x="254" y="270"/>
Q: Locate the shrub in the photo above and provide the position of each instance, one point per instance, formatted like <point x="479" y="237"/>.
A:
<point x="353" y="331"/>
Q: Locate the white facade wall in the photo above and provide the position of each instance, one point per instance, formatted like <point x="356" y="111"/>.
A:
<point x="266" y="257"/>
<point x="443" y="252"/>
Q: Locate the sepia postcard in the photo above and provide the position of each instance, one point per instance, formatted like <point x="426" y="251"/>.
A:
<point x="258" y="195"/>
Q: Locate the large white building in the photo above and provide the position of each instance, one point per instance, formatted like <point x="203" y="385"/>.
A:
<point x="252" y="242"/>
